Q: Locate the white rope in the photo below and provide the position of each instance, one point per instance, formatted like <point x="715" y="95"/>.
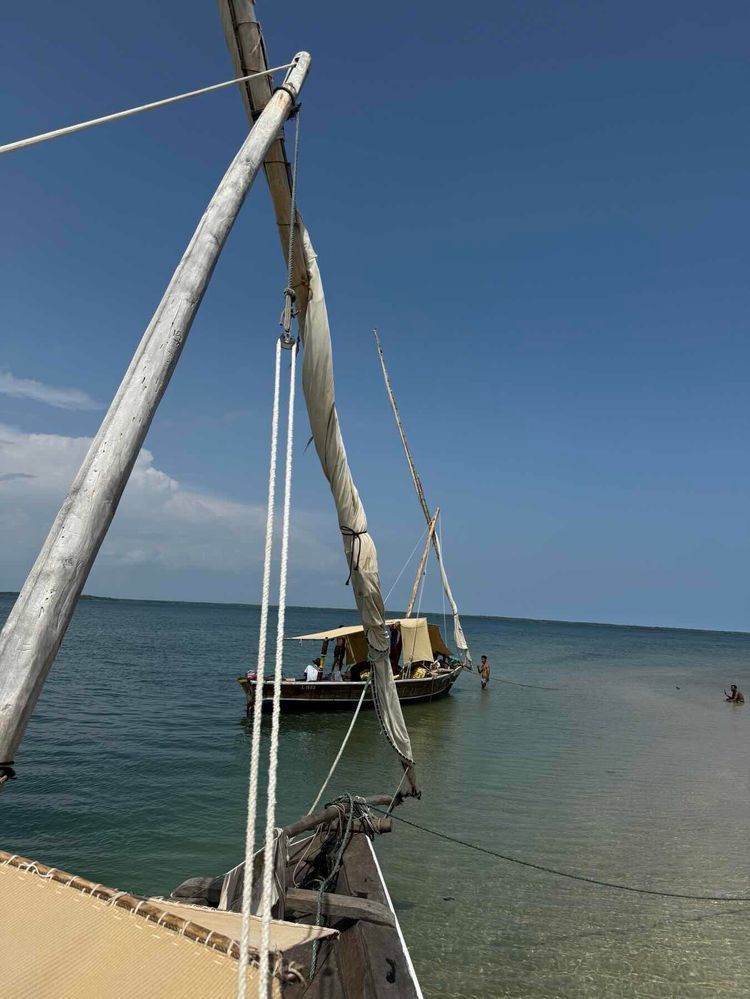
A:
<point x="268" y="857"/>
<point x="93" y="122"/>
<point x="341" y="750"/>
<point x="403" y="568"/>
<point x="252" y="795"/>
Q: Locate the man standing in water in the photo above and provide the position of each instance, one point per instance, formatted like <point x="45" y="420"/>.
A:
<point x="484" y="672"/>
<point x="735" y="696"/>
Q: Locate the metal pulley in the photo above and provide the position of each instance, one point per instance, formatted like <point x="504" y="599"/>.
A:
<point x="287" y="314"/>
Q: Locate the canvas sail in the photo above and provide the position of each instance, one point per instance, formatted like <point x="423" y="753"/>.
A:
<point x="361" y="555"/>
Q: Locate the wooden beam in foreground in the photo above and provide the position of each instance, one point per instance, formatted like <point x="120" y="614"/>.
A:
<point x="36" y="626"/>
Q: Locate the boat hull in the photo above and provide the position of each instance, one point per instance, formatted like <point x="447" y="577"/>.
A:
<point x="329" y="695"/>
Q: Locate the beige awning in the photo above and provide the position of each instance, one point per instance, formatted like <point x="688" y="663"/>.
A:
<point x="421" y="641"/>
<point x="332" y="634"/>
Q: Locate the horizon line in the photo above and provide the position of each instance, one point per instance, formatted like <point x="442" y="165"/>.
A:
<point x="352" y="610"/>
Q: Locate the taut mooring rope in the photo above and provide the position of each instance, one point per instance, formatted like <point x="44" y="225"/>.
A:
<point x="565" y="874"/>
<point x="57" y="133"/>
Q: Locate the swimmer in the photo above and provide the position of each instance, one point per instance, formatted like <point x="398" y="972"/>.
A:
<point x="736" y="696"/>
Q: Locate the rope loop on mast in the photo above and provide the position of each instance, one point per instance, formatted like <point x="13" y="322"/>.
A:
<point x="356" y="537"/>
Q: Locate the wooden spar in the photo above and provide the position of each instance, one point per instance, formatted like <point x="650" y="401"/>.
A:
<point x="244" y="39"/>
<point x="308" y="822"/>
<point x="422" y="561"/>
<point x="409" y="458"/>
<point x="332" y="906"/>
<point x="36" y="626"/>
<point x="458" y="630"/>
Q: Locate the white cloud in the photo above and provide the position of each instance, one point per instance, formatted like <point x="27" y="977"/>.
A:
<point x="160" y="524"/>
<point x="62" y="398"/>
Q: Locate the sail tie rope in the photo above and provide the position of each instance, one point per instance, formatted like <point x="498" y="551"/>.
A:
<point x="252" y="796"/>
<point x="57" y="133"/>
<point x="356" y="537"/>
<point x="273" y="763"/>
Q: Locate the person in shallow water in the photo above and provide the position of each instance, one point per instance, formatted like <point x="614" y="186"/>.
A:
<point x="484" y="672"/>
<point x="734" y="695"/>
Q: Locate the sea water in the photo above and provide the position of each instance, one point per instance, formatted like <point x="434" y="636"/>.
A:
<point x="618" y="760"/>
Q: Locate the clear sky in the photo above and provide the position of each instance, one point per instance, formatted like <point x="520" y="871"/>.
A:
<point x="542" y="205"/>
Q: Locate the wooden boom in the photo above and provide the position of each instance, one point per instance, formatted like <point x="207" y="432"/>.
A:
<point x="36" y="626"/>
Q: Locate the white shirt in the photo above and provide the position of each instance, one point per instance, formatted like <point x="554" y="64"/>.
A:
<point x="311" y="672"/>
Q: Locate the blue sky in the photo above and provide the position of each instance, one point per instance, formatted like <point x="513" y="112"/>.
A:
<point x="542" y="206"/>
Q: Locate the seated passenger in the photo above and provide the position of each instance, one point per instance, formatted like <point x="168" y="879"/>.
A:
<point x="312" y="671"/>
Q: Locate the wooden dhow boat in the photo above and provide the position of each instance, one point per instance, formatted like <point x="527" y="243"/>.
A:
<point x="308" y="913"/>
<point x="425" y="670"/>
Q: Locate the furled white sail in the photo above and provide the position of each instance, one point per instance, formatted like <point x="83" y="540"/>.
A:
<point x="458" y="631"/>
<point x="318" y="386"/>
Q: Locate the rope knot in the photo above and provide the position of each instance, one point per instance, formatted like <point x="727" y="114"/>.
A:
<point x="356" y="537"/>
<point x="288" y="312"/>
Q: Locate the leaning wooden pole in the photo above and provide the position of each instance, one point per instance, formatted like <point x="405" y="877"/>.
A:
<point x="36" y="626"/>
<point x="458" y="632"/>
<point x="422" y="563"/>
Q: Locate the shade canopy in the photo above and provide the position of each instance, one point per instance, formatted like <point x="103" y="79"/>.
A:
<point x="421" y="641"/>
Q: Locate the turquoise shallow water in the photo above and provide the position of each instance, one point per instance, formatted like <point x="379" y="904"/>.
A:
<point x="134" y="769"/>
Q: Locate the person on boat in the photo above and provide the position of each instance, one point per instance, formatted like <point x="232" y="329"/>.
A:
<point x="339" y="653"/>
<point x="484" y="672"/>
<point x="735" y="696"/>
<point x="396" y="646"/>
<point x="312" y="671"/>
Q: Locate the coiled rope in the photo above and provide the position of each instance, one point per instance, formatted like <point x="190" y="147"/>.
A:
<point x="350" y="807"/>
<point x="564" y="874"/>
<point x="57" y="133"/>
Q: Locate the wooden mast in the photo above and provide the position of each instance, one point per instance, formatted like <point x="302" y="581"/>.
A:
<point x="457" y="629"/>
<point x="36" y="626"/>
<point x="244" y="39"/>
<point x="422" y="561"/>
